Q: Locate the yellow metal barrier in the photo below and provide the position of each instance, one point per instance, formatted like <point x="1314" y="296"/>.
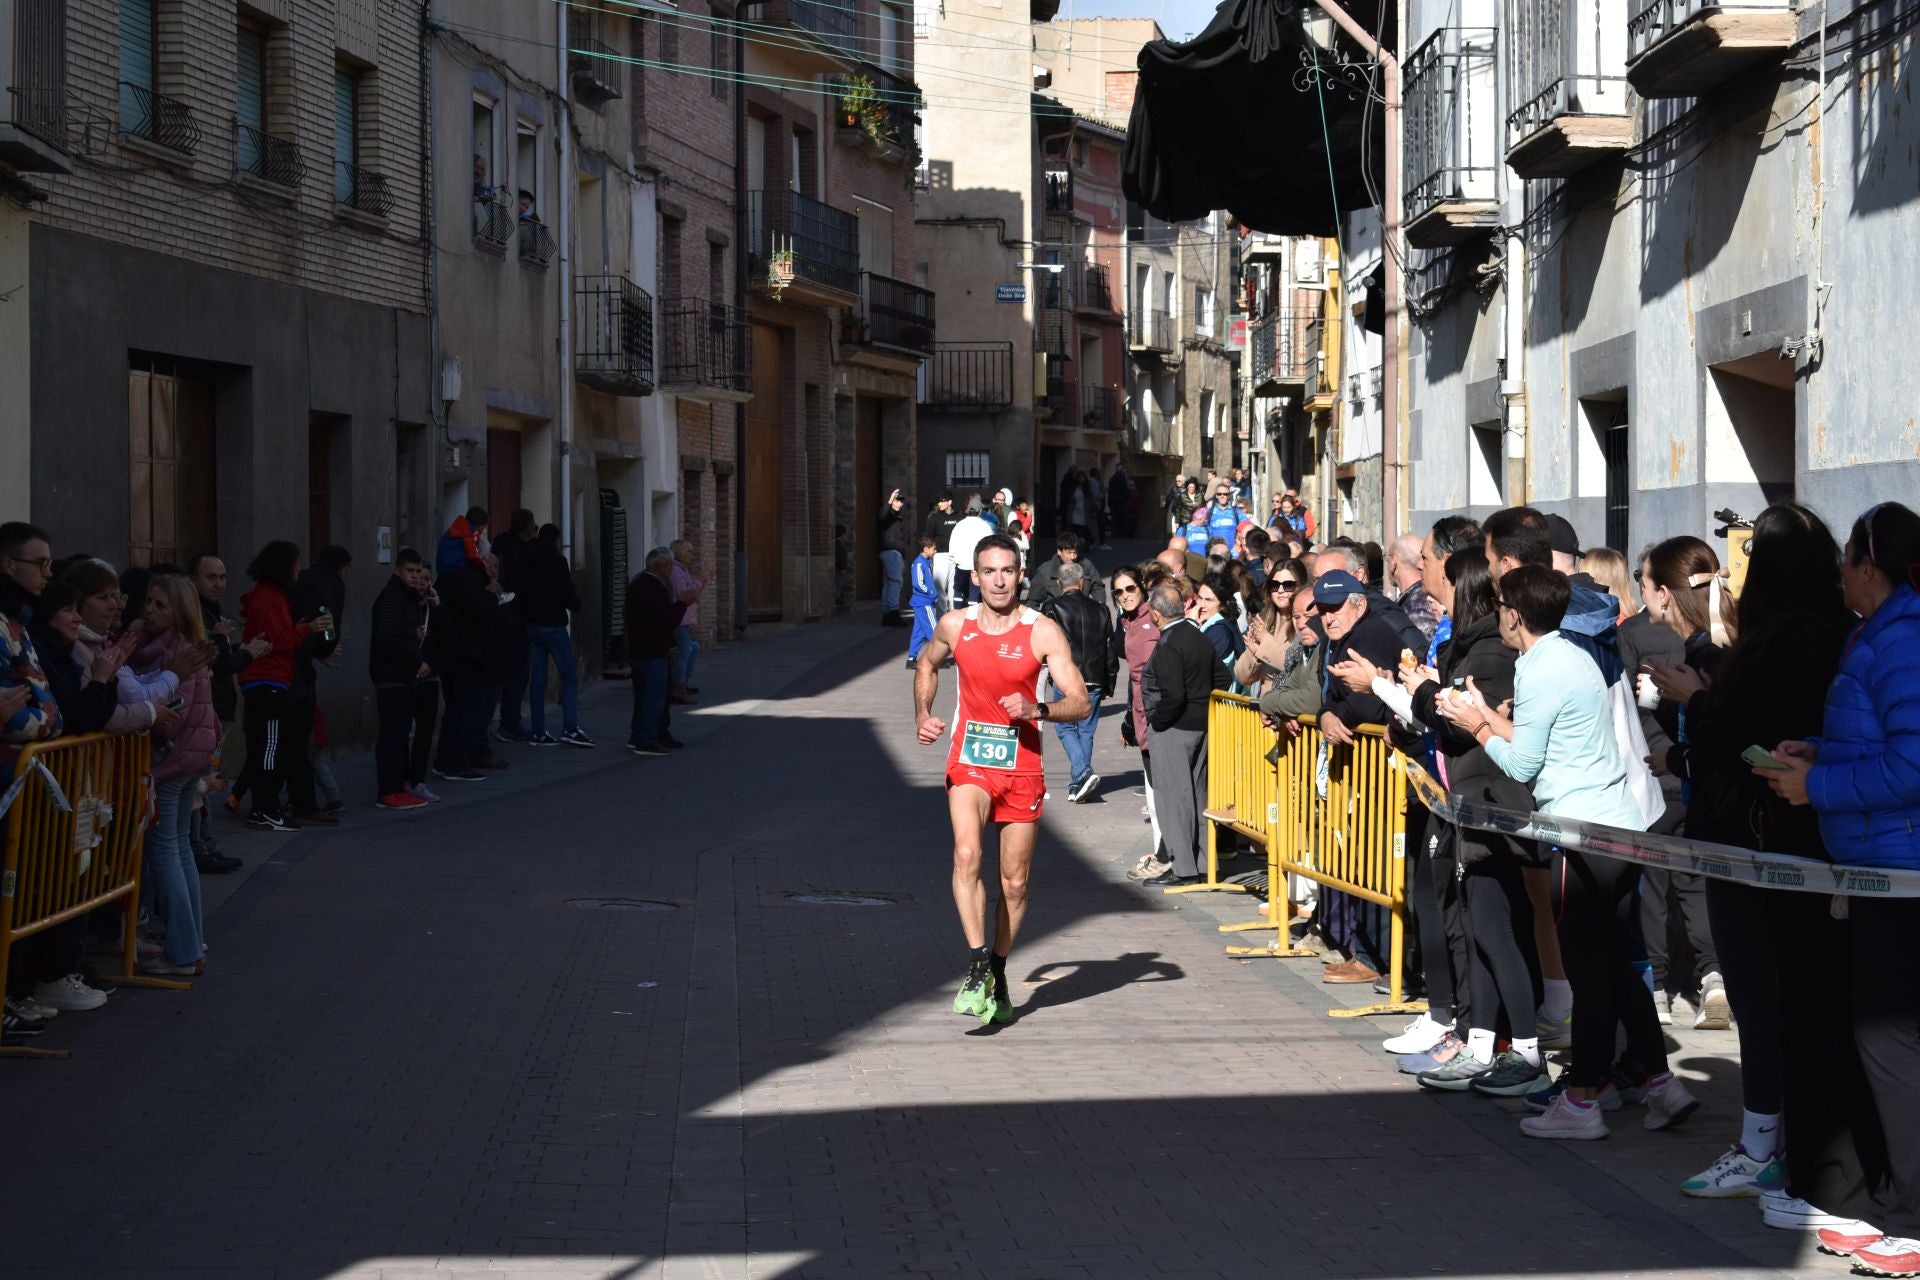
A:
<point x="1335" y="815"/>
<point x="1236" y="795"/>
<point x="74" y="843"/>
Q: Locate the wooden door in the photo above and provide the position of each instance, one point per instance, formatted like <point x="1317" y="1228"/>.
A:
<point x="503" y="478"/>
<point x="171" y="464"/>
<point x="866" y="500"/>
<point x="765" y="463"/>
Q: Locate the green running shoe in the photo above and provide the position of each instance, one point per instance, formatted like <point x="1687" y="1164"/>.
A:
<point x="976" y="993"/>
<point x="1002" y="1011"/>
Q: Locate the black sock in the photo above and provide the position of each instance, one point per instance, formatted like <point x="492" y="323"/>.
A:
<point x="1000" y="968"/>
<point x="978" y="954"/>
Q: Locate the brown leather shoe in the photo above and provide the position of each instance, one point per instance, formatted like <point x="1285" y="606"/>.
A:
<point x="1352" y="971"/>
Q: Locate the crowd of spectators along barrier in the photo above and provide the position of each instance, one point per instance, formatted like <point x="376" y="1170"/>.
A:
<point x="75" y="817"/>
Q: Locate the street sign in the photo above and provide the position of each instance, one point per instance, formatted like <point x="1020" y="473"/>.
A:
<point x="1009" y="293"/>
<point x="1237" y="335"/>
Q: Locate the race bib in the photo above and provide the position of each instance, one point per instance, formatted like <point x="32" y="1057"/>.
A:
<point x="990" y="746"/>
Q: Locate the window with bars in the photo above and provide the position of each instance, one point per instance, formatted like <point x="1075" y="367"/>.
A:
<point x="967" y="469"/>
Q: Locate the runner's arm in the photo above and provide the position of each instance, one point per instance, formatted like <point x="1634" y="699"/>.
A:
<point x="926" y="676"/>
<point x="1050" y="646"/>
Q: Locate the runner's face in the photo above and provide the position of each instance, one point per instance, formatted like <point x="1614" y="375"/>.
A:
<point x="996" y="572"/>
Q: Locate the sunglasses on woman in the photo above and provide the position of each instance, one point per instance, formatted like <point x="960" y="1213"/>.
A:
<point x="1283" y="584"/>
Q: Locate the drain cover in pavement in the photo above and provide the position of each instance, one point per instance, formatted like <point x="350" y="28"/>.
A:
<point x="621" y="904"/>
<point x="840" y="899"/>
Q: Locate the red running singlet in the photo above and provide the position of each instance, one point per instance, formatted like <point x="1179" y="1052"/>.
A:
<point x="988" y="667"/>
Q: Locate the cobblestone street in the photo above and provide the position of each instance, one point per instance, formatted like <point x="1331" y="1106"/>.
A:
<point x="419" y="1051"/>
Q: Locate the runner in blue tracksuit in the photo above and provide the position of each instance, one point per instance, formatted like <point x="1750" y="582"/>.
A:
<point x="1223" y="516"/>
<point x="925" y="600"/>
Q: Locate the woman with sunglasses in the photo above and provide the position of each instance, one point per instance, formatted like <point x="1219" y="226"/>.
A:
<point x="1862" y="777"/>
<point x="1270" y="631"/>
<point x="1134" y="636"/>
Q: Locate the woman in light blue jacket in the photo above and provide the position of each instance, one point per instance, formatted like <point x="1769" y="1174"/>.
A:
<point x="1560" y="741"/>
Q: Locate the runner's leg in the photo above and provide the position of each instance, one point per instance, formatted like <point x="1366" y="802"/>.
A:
<point x="1016" y="862"/>
<point x="968" y="806"/>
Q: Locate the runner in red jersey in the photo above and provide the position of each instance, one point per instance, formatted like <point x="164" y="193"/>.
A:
<point x="993" y="767"/>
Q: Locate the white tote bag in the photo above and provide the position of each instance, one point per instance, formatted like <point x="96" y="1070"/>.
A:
<point x="1641" y="785"/>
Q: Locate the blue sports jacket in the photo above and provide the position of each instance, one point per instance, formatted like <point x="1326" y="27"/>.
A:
<point x="1866" y="785"/>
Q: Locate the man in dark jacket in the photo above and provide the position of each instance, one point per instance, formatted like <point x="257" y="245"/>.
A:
<point x="652" y="614"/>
<point x="1089" y="631"/>
<point x="460" y="648"/>
<point x="548" y="599"/>
<point x="394" y="642"/>
<point x="1068" y="549"/>
<point x="893" y="558"/>
<point x="516" y="659"/>
<point x="1178" y="683"/>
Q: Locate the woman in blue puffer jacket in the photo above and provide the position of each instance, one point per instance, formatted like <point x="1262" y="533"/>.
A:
<point x="1862" y="776"/>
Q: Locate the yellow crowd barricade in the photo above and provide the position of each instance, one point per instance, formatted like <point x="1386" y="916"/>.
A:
<point x="73" y="843"/>
<point x="1335" y="815"/>
<point x="1237" y="797"/>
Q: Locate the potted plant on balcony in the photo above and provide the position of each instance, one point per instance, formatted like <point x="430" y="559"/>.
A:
<point x="780" y="270"/>
<point x="858" y="97"/>
<point x="853" y="328"/>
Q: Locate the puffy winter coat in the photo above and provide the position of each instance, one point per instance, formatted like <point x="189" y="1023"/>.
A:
<point x="195" y="732"/>
<point x="1866" y="783"/>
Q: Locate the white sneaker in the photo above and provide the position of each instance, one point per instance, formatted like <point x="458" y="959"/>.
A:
<point x="1790" y="1213"/>
<point x="420" y="789"/>
<point x="1669" y="1104"/>
<point x="1147" y="868"/>
<point x="1888" y="1256"/>
<point x="1716" y="1011"/>
<point x="1418" y="1036"/>
<point x="1565" y="1121"/>
<point x="1663" y="1008"/>
<point x="69" y="995"/>
<point x="1735" y="1173"/>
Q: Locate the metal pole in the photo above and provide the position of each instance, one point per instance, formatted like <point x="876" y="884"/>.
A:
<point x="565" y="126"/>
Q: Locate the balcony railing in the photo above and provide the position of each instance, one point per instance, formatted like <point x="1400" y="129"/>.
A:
<point x="968" y="376"/>
<point x="613" y="335"/>
<point x="1285" y="348"/>
<point x="895" y="313"/>
<point x="824" y="241"/>
<point x="1565" y="59"/>
<point x="877" y="107"/>
<point x="35" y="106"/>
<point x="362" y="190"/>
<point x="1451" y="139"/>
<point x="163" y="121"/>
<point x="1710" y="43"/>
<point x="1096" y="289"/>
<point x="1150" y="331"/>
<point x="703" y="344"/>
<point x="830" y="22"/>
<point x="1058" y="191"/>
<point x="536" y="244"/>
<point x="1062" y="400"/>
<point x="1099" y="408"/>
<point x="263" y="156"/>
<point x="493" y="225"/>
<point x="1056" y="315"/>
<point x="593" y="71"/>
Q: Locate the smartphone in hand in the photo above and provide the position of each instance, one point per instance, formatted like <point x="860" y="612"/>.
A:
<point x="1760" y="758"/>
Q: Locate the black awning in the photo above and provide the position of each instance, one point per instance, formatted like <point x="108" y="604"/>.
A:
<point x="1231" y="119"/>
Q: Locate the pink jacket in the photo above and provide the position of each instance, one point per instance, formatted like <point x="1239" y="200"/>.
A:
<point x="1141" y="636"/>
<point x="195" y="733"/>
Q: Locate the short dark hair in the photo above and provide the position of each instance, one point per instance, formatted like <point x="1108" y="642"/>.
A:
<point x="193" y="565"/>
<point x="1067" y="540"/>
<point x="520" y="521"/>
<point x="549" y="533"/>
<point x="1538" y="594"/>
<point x="1457" y="533"/>
<point x="477" y="517"/>
<point x="1376" y="557"/>
<point x="1257" y="542"/>
<point x="996" y="542"/>
<point x="335" y="558"/>
<point x="16" y="534"/>
<point x="274" y="563"/>
<point x="525" y="194"/>
<point x="1520" y="534"/>
<point x="407" y="556"/>
<point x="1887" y="536"/>
<point x="928" y="540"/>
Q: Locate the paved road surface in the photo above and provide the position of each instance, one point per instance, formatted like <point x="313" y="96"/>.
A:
<point x="418" y="1053"/>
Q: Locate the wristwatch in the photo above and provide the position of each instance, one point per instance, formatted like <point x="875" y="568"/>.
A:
<point x="1040" y="711"/>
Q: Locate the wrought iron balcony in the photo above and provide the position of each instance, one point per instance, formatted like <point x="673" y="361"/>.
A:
<point x="536" y="244"/>
<point x="1451" y="138"/>
<point x="1096" y="291"/>
<point x="1566" y="63"/>
<point x="1150" y="331"/>
<point x="1058" y="191"/>
<point x="831" y="24"/>
<point x="261" y="155"/>
<point x="968" y="376"/>
<point x="613" y="335"/>
<point x="802" y="241"/>
<point x="593" y="71"/>
<point x="1056" y="316"/>
<point x="1684" y="48"/>
<point x="876" y="108"/>
<point x="33" y="113"/>
<point x="493" y="225"/>
<point x="163" y="121"/>
<point x="1099" y="408"/>
<point x="895" y="314"/>
<point x="1062" y="402"/>
<point x="1286" y="349"/>
<point x="362" y="190"/>
<point x="703" y="346"/>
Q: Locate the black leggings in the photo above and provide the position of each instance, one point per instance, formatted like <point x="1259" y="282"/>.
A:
<point x="1753" y="962"/>
<point x="1429" y="921"/>
<point x="1499" y="916"/>
<point x="267" y="745"/>
<point x="1599" y="946"/>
